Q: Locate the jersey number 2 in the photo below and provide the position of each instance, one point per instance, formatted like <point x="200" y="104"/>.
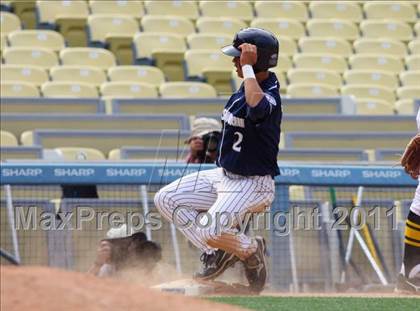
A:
<point x="236" y="146"/>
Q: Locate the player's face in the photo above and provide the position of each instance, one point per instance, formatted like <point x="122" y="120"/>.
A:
<point x="237" y="62"/>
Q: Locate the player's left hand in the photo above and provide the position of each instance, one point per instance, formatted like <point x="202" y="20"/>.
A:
<point x="248" y="54"/>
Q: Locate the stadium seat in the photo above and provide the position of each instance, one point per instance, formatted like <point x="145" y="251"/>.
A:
<point x="413" y="62"/>
<point x="315" y="76"/>
<point x="167" y="24"/>
<point x="132" y="8"/>
<point x="403" y="11"/>
<point x="37" y="39"/>
<point x="75" y="73"/>
<point x="380" y="46"/>
<point x="69" y="16"/>
<point x="389" y="29"/>
<point x="311" y="90"/>
<point x="115" y="32"/>
<point x="320" y="61"/>
<point x="230" y="9"/>
<point x="186" y="9"/>
<point x="334" y="28"/>
<point x="284" y="27"/>
<point x="8" y="139"/>
<point x="211" y="65"/>
<point x="26" y="11"/>
<point x="208" y="41"/>
<point x="220" y="25"/>
<point x="410" y="78"/>
<point x="41" y="57"/>
<point x="336" y="9"/>
<point x="284" y="63"/>
<point x="282" y="9"/>
<point x="27" y="138"/>
<point x="405" y="107"/>
<point x="121" y="89"/>
<point x="187" y="90"/>
<point x="142" y="74"/>
<point x="69" y="89"/>
<point x="414" y="46"/>
<point x="30" y="74"/>
<point x="362" y="76"/>
<point x="18" y="89"/>
<point x="365" y="91"/>
<point x="375" y="62"/>
<point x="417" y="28"/>
<point x="80" y="154"/>
<point x="409" y="92"/>
<point x="3" y="42"/>
<point x="335" y="46"/>
<point x="373" y="107"/>
<point x="9" y="22"/>
<point x="287" y="46"/>
<point x="166" y="51"/>
<point x="94" y="57"/>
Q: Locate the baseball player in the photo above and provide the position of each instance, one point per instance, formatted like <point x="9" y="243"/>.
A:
<point x="247" y="163"/>
<point x="409" y="278"/>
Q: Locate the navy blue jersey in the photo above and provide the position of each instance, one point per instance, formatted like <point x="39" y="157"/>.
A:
<point x="251" y="136"/>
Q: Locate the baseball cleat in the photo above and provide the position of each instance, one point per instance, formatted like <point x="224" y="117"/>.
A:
<point x="407" y="285"/>
<point x="215" y="264"/>
<point x="256" y="267"/>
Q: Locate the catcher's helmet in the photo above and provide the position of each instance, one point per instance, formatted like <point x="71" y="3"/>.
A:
<point x="266" y="43"/>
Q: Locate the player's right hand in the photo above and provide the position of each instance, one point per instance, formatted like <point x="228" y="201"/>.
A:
<point x="103" y="253"/>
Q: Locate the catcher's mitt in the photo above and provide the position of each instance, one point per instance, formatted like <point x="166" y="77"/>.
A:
<point x="410" y="160"/>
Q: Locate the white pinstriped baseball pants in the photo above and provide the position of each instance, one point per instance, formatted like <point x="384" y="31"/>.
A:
<point x="226" y="197"/>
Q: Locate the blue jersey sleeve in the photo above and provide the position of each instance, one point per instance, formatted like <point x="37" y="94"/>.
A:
<point x="264" y="108"/>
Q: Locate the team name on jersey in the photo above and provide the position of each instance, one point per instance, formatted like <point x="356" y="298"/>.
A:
<point x="230" y="119"/>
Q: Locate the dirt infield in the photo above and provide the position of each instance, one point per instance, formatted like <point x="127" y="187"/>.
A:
<point x="40" y="288"/>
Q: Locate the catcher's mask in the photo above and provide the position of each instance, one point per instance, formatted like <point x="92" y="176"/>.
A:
<point x="266" y="43"/>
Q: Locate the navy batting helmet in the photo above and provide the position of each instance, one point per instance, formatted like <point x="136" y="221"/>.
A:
<point x="266" y="43"/>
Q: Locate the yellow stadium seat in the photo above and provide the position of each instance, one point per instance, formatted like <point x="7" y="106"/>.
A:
<point x="334" y="28"/>
<point x="75" y="73"/>
<point x="167" y="24"/>
<point x="142" y="74"/>
<point x="30" y="74"/>
<point x="389" y="29"/>
<point x="165" y="49"/>
<point x="41" y="57"/>
<point x="409" y="92"/>
<point x="284" y="63"/>
<point x="287" y="46"/>
<point x="69" y="16"/>
<point x="69" y="89"/>
<point x="3" y="41"/>
<point x="186" y="9"/>
<point x="114" y="155"/>
<point x="405" y="106"/>
<point x="413" y="62"/>
<point x="9" y="22"/>
<point x="208" y="40"/>
<point x="366" y="91"/>
<point x="187" y="90"/>
<point x="336" y="9"/>
<point x="366" y="76"/>
<point x="417" y="28"/>
<point x="116" y="32"/>
<point x="315" y="76"/>
<point x="231" y="9"/>
<point x="414" y="46"/>
<point x="380" y="46"/>
<point x="129" y="89"/>
<point x="311" y="90"/>
<point x="18" y="89"/>
<point x="403" y="11"/>
<point x="282" y="9"/>
<point x="373" y="107"/>
<point x="280" y="26"/>
<point x="410" y="78"/>
<point x="26" y="11"/>
<point x="334" y="46"/>
<point x="79" y="154"/>
<point x="7" y="139"/>
<point x="374" y="62"/>
<point x="320" y="61"/>
<point x="220" y="25"/>
<point x="132" y="8"/>
<point x="27" y="138"/>
<point x="94" y="57"/>
<point x="37" y="39"/>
